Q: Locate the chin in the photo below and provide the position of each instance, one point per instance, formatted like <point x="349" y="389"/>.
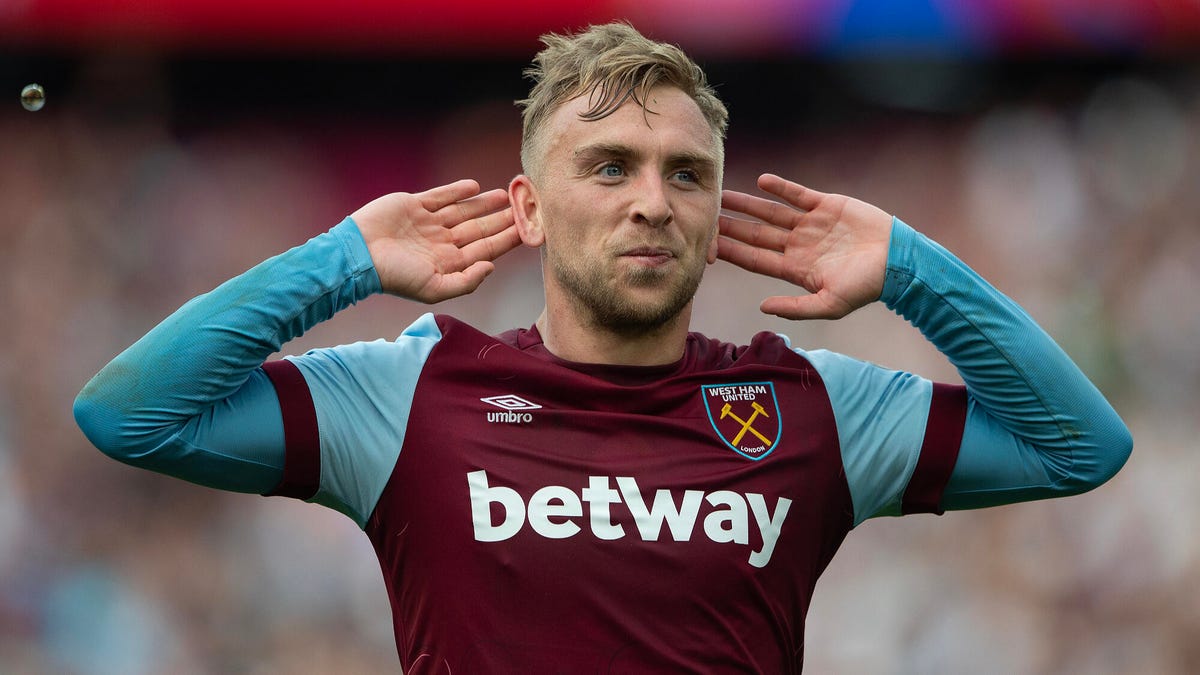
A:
<point x="629" y="314"/>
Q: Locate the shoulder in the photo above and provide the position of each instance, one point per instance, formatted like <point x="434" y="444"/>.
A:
<point x="382" y="357"/>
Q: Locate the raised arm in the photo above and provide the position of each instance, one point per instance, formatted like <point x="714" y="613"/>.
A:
<point x="189" y="398"/>
<point x="1036" y="426"/>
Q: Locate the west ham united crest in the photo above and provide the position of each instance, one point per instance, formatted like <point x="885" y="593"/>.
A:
<point x="745" y="416"/>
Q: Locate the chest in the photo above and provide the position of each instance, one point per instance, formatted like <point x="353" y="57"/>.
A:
<point x="529" y="500"/>
<point x="518" y="453"/>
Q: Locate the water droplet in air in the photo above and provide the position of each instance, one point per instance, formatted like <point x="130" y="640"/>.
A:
<point x="33" y="97"/>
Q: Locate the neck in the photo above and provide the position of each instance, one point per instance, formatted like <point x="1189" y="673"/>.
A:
<point x="568" y="338"/>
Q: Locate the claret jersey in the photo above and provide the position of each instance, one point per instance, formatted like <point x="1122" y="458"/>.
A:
<point x="536" y="515"/>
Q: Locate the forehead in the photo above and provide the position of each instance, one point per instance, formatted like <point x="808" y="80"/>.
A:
<point x="671" y="121"/>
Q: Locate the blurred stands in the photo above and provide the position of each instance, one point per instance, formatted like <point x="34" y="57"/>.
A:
<point x="1071" y="184"/>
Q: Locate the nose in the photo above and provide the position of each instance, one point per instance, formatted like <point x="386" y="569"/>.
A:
<point x="651" y="205"/>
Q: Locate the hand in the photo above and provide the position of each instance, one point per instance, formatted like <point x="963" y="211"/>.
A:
<point x="438" y="244"/>
<point x="833" y="246"/>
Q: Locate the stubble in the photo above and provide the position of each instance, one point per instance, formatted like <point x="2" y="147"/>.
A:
<point x="603" y="294"/>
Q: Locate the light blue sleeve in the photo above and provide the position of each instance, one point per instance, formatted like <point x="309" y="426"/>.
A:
<point x="1036" y="425"/>
<point x="362" y="394"/>
<point x="880" y="416"/>
<point x="188" y="398"/>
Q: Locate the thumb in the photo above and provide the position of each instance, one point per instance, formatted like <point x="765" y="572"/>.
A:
<point x="819" y="305"/>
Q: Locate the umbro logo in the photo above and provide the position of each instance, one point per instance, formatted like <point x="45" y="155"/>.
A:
<point x="511" y="402"/>
<point x="515" y="409"/>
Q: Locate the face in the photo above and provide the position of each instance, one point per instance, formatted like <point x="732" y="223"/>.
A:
<point x="625" y="209"/>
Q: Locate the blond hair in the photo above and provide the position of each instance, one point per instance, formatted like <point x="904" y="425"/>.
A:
<point x="611" y="63"/>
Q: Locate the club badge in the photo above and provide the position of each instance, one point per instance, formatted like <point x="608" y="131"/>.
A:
<point x="745" y="416"/>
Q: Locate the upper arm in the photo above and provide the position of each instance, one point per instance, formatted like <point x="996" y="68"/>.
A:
<point x="190" y="398"/>
<point x="1037" y="427"/>
<point x="235" y="444"/>
<point x="996" y="466"/>
<point x="346" y="413"/>
<point x="898" y="433"/>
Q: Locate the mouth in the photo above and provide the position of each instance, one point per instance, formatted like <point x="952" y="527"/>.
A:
<point x="650" y="255"/>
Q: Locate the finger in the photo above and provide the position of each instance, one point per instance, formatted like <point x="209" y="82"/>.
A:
<point x="780" y="215"/>
<point x="820" y="305"/>
<point x="445" y="195"/>
<point x="793" y="193"/>
<point x="754" y="233"/>
<point x="460" y="283"/>
<point x="751" y="258"/>
<point x="467" y="209"/>
<point x="493" y="246"/>
<point x="480" y="227"/>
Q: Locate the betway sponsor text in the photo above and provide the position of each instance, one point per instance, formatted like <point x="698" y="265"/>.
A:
<point x="556" y="511"/>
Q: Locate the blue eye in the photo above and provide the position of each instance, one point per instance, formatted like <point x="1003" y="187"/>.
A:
<point x="687" y="175"/>
<point x="612" y="171"/>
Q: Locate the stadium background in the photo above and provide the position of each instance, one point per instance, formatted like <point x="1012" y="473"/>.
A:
<point x="1052" y="145"/>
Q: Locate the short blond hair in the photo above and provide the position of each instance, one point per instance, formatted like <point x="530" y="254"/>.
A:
<point x="611" y="63"/>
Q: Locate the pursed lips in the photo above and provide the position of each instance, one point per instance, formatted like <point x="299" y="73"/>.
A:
<point x="650" y="254"/>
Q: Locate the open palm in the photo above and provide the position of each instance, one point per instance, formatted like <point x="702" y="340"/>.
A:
<point x="438" y="244"/>
<point x="831" y="245"/>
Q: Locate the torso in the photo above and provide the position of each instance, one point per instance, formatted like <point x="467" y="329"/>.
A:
<point x="508" y="533"/>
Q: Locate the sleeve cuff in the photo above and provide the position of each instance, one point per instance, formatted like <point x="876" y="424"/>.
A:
<point x="302" y="457"/>
<point x="939" y="450"/>
<point x="366" y="277"/>
<point x="899" y="273"/>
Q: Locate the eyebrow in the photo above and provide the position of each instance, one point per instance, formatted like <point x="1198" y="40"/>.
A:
<point x="598" y="151"/>
<point x="595" y="152"/>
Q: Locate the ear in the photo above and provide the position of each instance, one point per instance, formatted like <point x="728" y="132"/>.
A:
<point x="522" y="194"/>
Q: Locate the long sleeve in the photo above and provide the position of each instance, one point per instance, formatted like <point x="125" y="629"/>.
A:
<point x="189" y="399"/>
<point x="1036" y="426"/>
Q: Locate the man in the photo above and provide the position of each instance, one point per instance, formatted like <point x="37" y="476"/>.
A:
<point x="606" y="491"/>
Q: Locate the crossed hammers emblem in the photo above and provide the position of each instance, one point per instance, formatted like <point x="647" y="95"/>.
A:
<point x="727" y="411"/>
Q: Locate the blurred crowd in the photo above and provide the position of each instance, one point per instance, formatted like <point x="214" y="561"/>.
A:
<point x="1084" y="208"/>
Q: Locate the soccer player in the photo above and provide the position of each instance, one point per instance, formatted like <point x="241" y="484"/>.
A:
<point x="605" y="491"/>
